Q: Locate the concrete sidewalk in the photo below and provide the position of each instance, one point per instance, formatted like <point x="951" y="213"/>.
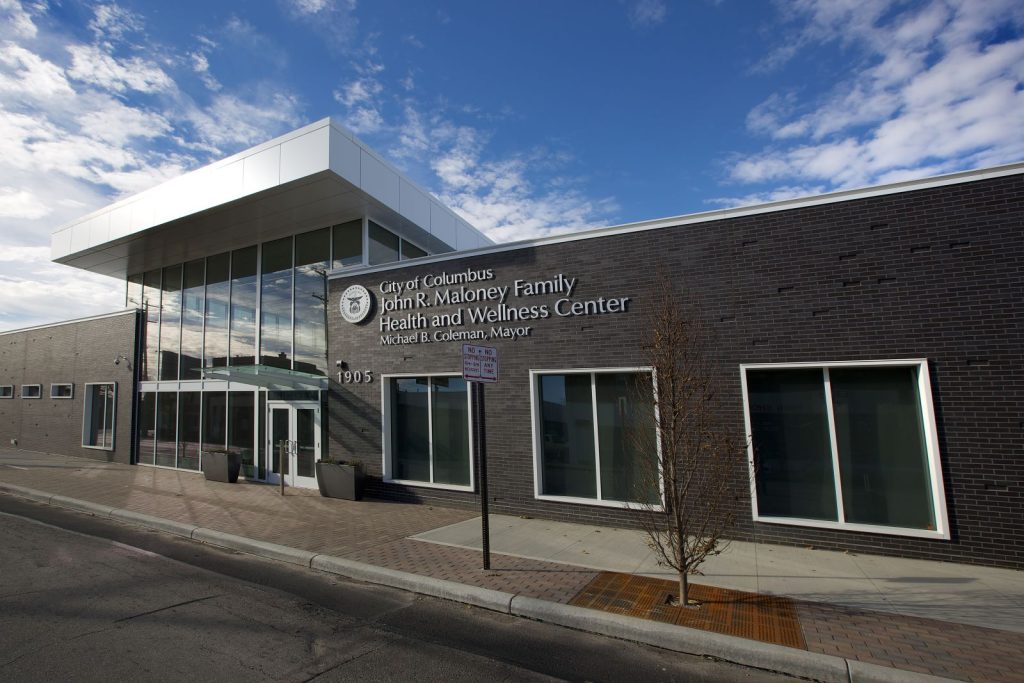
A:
<point x="951" y="620"/>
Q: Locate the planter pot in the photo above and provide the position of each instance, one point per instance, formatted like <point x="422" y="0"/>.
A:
<point x="339" y="481"/>
<point x="221" y="466"/>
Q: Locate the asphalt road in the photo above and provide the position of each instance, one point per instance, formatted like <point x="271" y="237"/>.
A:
<point x="89" y="599"/>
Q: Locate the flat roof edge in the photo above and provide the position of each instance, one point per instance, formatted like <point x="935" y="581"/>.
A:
<point x="44" y="326"/>
<point x="957" y="178"/>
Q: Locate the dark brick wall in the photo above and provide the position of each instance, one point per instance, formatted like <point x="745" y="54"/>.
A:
<point x="75" y="352"/>
<point x="934" y="273"/>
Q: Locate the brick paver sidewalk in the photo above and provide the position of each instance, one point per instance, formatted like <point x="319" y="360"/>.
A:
<point x="377" y="532"/>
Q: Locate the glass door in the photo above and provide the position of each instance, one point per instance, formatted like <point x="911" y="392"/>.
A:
<point x="298" y="426"/>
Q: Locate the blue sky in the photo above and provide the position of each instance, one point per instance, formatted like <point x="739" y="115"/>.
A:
<point x="527" y="118"/>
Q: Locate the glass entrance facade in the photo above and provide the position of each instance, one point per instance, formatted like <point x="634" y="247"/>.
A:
<point x="264" y="304"/>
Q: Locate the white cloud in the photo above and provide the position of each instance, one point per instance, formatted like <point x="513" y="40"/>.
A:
<point x="201" y="66"/>
<point x="19" y="203"/>
<point x="932" y="95"/>
<point x="112" y="22"/>
<point x="646" y="13"/>
<point x="230" y="121"/>
<point x="27" y="74"/>
<point x="91" y="64"/>
<point x="15" y="21"/>
<point x="777" y="194"/>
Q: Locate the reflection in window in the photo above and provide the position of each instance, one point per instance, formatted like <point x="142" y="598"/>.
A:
<point x="241" y="427"/>
<point x="188" y="429"/>
<point x="348" y="244"/>
<point x="98" y="421"/>
<point x="244" y="289"/>
<point x="192" y="312"/>
<point x="430" y="430"/>
<point x="616" y="461"/>
<point x="133" y="298"/>
<point x="170" y="322"/>
<point x="166" y="429"/>
<point x="145" y="436"/>
<point x="218" y="293"/>
<point x="276" y="304"/>
<point x="215" y="420"/>
<point x="383" y="245"/>
<point x="876" y="434"/>
<point x="151" y="324"/>
<point x="311" y="264"/>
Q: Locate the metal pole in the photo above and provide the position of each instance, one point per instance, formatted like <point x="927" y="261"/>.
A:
<point x="280" y="462"/>
<point x="485" y="531"/>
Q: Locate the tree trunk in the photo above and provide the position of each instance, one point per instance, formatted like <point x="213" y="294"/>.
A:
<point x="684" y="590"/>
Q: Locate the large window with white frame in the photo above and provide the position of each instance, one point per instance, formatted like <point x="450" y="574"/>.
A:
<point x="98" y="415"/>
<point x="427" y="431"/>
<point x="594" y="436"/>
<point x="848" y="445"/>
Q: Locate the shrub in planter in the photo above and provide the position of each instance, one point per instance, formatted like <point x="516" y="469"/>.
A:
<point x="340" y="479"/>
<point x="222" y="465"/>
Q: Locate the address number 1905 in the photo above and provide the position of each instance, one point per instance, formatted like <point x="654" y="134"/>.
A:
<point x="355" y="376"/>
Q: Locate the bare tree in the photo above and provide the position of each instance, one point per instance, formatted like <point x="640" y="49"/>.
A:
<point x="691" y="453"/>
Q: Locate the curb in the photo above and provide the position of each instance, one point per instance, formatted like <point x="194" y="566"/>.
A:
<point x="750" y="653"/>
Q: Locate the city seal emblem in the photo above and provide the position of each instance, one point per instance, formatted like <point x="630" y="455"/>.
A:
<point x="355" y="305"/>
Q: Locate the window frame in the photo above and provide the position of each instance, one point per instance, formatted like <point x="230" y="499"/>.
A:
<point x="538" y="437"/>
<point x="934" y="460"/>
<point x="388" y="468"/>
<point x="62" y="384"/>
<point x="8" y="396"/>
<point x="113" y="419"/>
<point x="39" y="395"/>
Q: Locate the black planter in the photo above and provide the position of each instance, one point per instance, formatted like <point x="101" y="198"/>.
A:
<point x="339" y="481"/>
<point x="221" y="466"/>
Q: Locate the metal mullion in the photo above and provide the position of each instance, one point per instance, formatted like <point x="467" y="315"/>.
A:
<point x="202" y="340"/>
<point x="834" y="443"/>
<point x="292" y="325"/>
<point x="597" y="439"/>
<point x="430" y="427"/>
<point x="259" y="304"/>
<point x="231" y="314"/>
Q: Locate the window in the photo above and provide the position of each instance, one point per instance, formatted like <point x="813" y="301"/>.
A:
<point x="410" y="250"/>
<point x="426" y="432"/>
<point x="383" y="244"/>
<point x="62" y="390"/>
<point x="594" y="437"/>
<point x="31" y="391"/>
<point x="98" y="418"/>
<point x="6" y="391"/>
<point x="348" y="244"/>
<point x="845" y="445"/>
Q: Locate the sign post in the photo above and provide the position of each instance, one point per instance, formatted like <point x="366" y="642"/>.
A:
<point x="479" y="367"/>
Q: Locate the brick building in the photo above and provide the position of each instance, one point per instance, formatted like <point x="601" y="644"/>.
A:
<point x="867" y="345"/>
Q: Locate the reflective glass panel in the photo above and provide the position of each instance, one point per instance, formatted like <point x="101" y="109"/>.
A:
<point x="276" y="304"/>
<point x="305" y="438"/>
<point x="146" y="428"/>
<point x="450" y="421"/>
<point x="244" y="290"/>
<point x="883" y="462"/>
<point x="348" y="243"/>
<point x="567" y="436"/>
<point x="98" y="425"/>
<point x="188" y="430"/>
<point x="166" y="429"/>
<point x="134" y="293"/>
<point x="193" y="308"/>
<point x="151" y="325"/>
<point x="279" y="433"/>
<point x="627" y="445"/>
<point x="311" y="265"/>
<point x="410" y="250"/>
<point x="383" y="245"/>
<point x="218" y="295"/>
<point x="792" y="447"/>
<point x="410" y="429"/>
<point x="241" y="426"/>
<point x="261" y="423"/>
<point x="170" y="322"/>
<point x="215" y="420"/>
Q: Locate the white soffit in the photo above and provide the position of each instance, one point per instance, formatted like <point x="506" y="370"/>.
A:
<point x="310" y="178"/>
